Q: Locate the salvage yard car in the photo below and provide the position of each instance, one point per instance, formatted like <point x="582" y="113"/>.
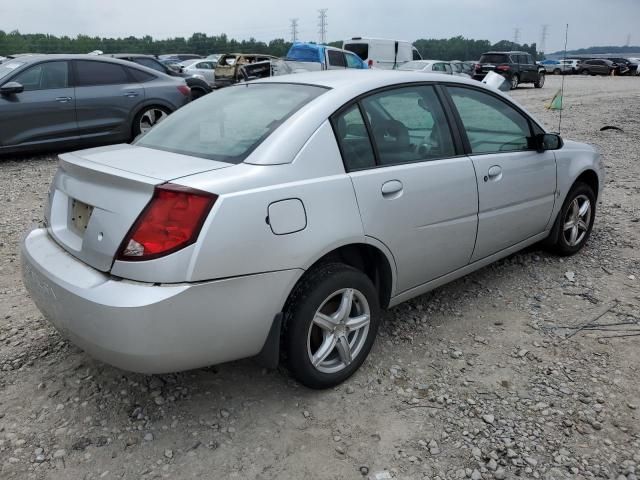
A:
<point x="58" y="101"/>
<point x="309" y="57"/>
<point x="230" y="67"/>
<point x="516" y="67"/>
<point x="283" y="214"/>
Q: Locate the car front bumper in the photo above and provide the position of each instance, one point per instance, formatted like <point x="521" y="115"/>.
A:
<point x="152" y="328"/>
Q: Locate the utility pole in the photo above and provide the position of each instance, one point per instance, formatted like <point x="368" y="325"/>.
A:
<point x="516" y="36"/>
<point x="543" y="38"/>
<point x="322" y="17"/>
<point x="294" y="30"/>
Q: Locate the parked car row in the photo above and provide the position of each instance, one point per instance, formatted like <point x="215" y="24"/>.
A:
<point x="63" y="101"/>
<point x="593" y="66"/>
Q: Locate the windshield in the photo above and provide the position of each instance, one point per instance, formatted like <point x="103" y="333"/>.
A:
<point x="8" y="67"/>
<point x="415" y="65"/>
<point x="494" y="58"/>
<point x="227" y="125"/>
<point x="187" y="63"/>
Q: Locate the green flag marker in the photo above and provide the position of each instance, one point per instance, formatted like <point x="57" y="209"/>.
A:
<point x="556" y="101"/>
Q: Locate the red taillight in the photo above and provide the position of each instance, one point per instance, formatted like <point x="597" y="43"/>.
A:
<point x="503" y="68"/>
<point x="370" y="63"/>
<point x="172" y="220"/>
<point x="185" y="90"/>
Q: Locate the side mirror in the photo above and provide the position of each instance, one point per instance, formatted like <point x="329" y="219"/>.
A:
<point x="549" y="141"/>
<point x="11" y="88"/>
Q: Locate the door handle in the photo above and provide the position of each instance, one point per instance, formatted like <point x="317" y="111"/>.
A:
<point x="63" y="99"/>
<point x="494" y="173"/>
<point x="392" y="189"/>
<point x="131" y="94"/>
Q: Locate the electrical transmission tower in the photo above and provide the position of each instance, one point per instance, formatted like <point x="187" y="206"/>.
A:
<point x="543" y="38"/>
<point x="322" y="17"/>
<point x="294" y="29"/>
<point x="516" y="36"/>
<point x="628" y="42"/>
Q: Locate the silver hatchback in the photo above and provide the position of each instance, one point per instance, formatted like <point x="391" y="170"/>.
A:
<point x="280" y="216"/>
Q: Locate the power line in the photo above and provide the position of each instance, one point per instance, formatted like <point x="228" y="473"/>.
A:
<point x="543" y="38"/>
<point x="294" y="29"/>
<point x="323" y="24"/>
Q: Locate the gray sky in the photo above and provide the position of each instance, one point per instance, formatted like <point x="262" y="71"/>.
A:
<point x="591" y="22"/>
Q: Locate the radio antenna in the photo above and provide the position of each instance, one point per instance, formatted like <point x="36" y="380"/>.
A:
<point x="564" y="66"/>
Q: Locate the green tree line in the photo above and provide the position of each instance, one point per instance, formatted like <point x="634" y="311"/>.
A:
<point x="455" y="48"/>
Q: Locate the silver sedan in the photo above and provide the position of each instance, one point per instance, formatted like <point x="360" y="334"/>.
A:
<point x="280" y="216"/>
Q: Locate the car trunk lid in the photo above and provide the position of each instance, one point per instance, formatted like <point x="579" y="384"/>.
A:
<point x="98" y="194"/>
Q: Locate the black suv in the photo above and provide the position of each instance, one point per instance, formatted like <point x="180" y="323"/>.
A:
<point x="198" y="86"/>
<point x="517" y="67"/>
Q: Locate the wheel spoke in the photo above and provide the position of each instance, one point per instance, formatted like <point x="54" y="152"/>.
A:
<point x="327" y="346"/>
<point x="344" y="349"/>
<point x="574" y="235"/>
<point x="325" y="322"/>
<point x="569" y="225"/>
<point x="345" y="305"/>
<point x="584" y="208"/>
<point x="582" y="225"/>
<point x="356" y="323"/>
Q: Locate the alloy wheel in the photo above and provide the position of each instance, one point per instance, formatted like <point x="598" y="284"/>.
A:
<point x="151" y="117"/>
<point x="577" y="220"/>
<point x="339" y="330"/>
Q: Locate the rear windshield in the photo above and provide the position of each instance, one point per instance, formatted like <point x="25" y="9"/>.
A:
<point x="9" y="66"/>
<point x="494" y="58"/>
<point x="227" y="125"/>
<point x="360" y="49"/>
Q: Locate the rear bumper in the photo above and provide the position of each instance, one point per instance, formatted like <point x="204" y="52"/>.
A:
<point x="152" y="328"/>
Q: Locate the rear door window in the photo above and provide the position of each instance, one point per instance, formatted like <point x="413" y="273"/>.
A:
<point x="353" y="138"/>
<point x="408" y="125"/>
<point x="140" y="76"/>
<point x="90" y="73"/>
<point x="336" y="58"/>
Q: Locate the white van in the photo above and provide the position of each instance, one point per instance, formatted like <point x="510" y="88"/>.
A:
<point x="381" y="52"/>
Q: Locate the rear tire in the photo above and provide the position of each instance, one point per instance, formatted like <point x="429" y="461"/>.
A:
<point x="574" y="222"/>
<point x="147" y="118"/>
<point x="330" y="323"/>
<point x="540" y="82"/>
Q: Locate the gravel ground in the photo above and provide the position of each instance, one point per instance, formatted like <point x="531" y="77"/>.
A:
<point x="514" y="371"/>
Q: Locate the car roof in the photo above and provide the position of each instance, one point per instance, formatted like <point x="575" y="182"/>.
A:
<point x="72" y="56"/>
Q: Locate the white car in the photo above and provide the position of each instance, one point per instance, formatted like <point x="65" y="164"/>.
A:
<point x="199" y="67"/>
<point x="428" y="66"/>
<point x="285" y="213"/>
<point x="382" y="53"/>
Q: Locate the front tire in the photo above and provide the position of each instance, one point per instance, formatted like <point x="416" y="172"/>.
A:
<point x="331" y="321"/>
<point x="540" y="82"/>
<point x="557" y="71"/>
<point x="574" y="223"/>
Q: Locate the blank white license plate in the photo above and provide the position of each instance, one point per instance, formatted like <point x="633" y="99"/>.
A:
<point x="80" y="215"/>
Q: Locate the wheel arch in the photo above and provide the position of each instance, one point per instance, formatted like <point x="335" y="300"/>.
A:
<point x="154" y="102"/>
<point x="371" y="257"/>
